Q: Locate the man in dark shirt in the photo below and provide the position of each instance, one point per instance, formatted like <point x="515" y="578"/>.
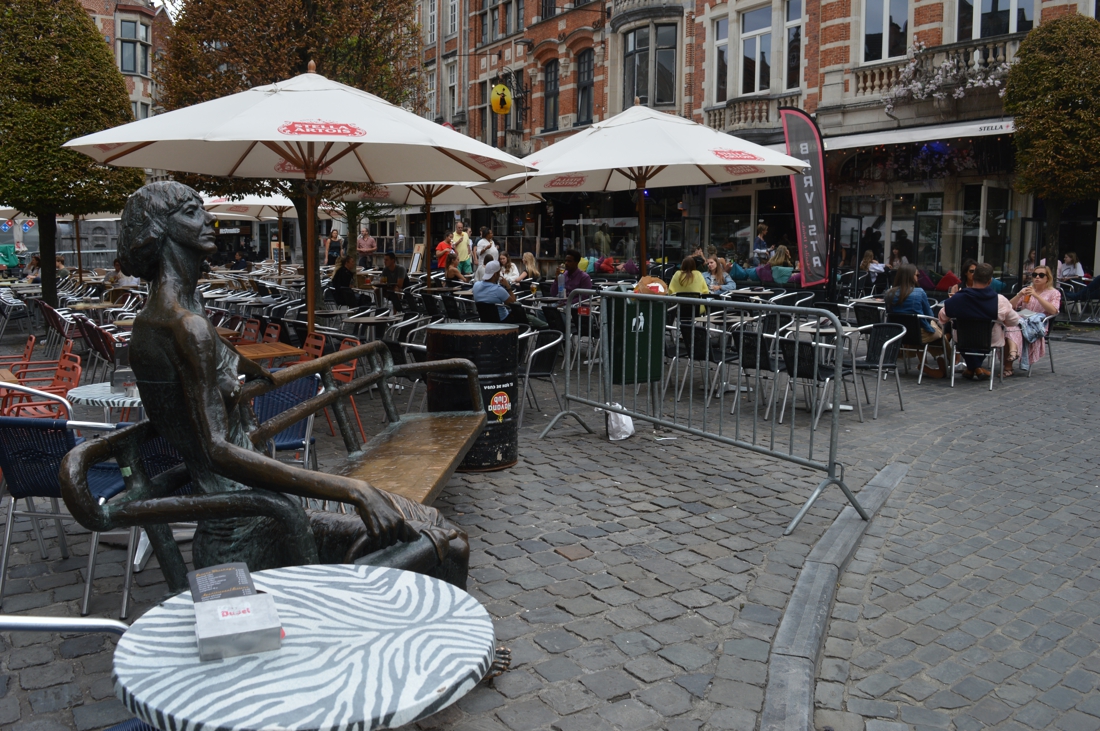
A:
<point x="393" y="274"/>
<point x="573" y="277"/>
<point x="239" y="264"/>
<point x="977" y="302"/>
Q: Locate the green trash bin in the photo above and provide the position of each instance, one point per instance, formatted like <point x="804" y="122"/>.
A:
<point x="636" y="330"/>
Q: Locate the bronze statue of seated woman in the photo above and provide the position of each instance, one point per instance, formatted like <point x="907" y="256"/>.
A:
<point x="247" y="505"/>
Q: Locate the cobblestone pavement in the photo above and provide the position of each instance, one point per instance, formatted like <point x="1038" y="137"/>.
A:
<point x="974" y="598"/>
<point x="639" y="583"/>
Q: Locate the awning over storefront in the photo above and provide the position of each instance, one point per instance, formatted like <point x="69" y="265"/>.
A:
<point x="906" y="135"/>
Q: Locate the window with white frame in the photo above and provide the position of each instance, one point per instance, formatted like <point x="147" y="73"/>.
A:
<point x="793" y="26"/>
<point x="133" y="47"/>
<point x="429" y="94"/>
<point x="721" y="59"/>
<point x="649" y="65"/>
<point x="520" y="22"/>
<point x="885" y="29"/>
<point x="585" y="79"/>
<point x="494" y="24"/>
<point x="997" y="18"/>
<point x="756" y="50"/>
<point x="452" y="90"/>
<point x="452" y="17"/>
<point x="431" y="21"/>
<point x="550" y="97"/>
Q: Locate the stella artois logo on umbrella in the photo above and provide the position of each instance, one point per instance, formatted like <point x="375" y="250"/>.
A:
<point x="487" y="162"/>
<point x="566" y="181"/>
<point x="500" y="195"/>
<point x="321" y="127"/>
<point x="238" y="209"/>
<point x="500" y="405"/>
<point x="736" y="155"/>
<point x="285" y="166"/>
<point x="743" y="169"/>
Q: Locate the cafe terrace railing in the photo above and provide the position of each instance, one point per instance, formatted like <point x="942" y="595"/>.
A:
<point x="637" y="355"/>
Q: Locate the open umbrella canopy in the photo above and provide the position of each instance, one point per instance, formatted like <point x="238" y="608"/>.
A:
<point x="664" y="149"/>
<point x="437" y="193"/>
<point x="254" y="206"/>
<point x="272" y="131"/>
<point x="304" y="127"/>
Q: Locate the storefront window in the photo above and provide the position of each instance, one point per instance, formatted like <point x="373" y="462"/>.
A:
<point x="731" y="226"/>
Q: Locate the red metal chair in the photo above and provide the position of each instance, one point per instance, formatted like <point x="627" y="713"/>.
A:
<point x="251" y="333"/>
<point x="314" y="347"/>
<point x="7" y="361"/>
<point x="65" y="378"/>
<point x="344" y="374"/>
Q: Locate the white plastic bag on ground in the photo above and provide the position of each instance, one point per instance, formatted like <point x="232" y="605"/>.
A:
<point x="619" y="426"/>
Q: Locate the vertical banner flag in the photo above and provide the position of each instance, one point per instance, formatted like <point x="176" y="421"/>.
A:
<point x="804" y="142"/>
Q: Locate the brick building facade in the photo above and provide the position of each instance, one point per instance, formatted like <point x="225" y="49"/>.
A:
<point x="932" y="177"/>
<point x="135" y="31"/>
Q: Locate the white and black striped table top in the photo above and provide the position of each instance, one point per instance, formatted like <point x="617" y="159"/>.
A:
<point x="365" y="648"/>
<point x="100" y="394"/>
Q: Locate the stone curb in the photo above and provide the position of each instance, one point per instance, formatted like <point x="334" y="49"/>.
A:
<point x="789" y="697"/>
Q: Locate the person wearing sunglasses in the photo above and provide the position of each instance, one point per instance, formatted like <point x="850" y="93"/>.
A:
<point x="969" y="266"/>
<point x="1042" y="298"/>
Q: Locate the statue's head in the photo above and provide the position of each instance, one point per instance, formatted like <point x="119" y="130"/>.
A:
<point x="158" y="215"/>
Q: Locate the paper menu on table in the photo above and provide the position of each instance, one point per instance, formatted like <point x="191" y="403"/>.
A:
<point x="223" y="581"/>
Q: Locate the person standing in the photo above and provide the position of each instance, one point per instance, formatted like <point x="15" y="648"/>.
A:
<point x="760" y="245"/>
<point x="332" y="247"/>
<point x="603" y="241"/>
<point x="486" y="245"/>
<point x="460" y="242"/>
<point x="442" y="249"/>
<point x="366" y="246"/>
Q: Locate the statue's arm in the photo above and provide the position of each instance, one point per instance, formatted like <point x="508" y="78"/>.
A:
<point x="209" y="418"/>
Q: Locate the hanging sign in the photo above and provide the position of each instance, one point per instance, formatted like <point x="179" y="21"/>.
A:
<point x="27" y="226"/>
<point x="501" y="99"/>
<point x="7" y="226"/>
<point x="804" y="142"/>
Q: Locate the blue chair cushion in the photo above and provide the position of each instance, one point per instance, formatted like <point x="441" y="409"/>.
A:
<point x="134" y="724"/>
<point x="105" y="481"/>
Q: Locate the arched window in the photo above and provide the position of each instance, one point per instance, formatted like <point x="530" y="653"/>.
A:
<point x="550" y="98"/>
<point x="585" y="77"/>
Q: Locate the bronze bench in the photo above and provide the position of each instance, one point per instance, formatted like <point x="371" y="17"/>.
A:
<point x="413" y="456"/>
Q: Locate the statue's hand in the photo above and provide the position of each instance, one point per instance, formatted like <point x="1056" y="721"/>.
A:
<point x="253" y="371"/>
<point x="385" y="523"/>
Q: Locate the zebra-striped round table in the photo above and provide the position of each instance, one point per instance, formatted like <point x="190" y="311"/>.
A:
<point x="365" y="648"/>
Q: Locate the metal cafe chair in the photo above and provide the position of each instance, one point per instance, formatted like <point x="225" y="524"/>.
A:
<point x="31" y="451"/>
<point x="883" y="347"/>
<point x="974" y="336"/>
<point x="297" y="437"/>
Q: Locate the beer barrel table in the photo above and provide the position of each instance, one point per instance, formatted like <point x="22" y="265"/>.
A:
<point x="494" y="349"/>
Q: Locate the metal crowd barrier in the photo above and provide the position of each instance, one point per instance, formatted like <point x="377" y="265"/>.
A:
<point x="639" y="355"/>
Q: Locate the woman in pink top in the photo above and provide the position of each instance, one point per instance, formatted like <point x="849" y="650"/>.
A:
<point x="1040" y="297"/>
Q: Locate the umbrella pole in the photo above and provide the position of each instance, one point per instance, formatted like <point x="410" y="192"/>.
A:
<point x="282" y="247"/>
<point x="79" y="262"/>
<point x="428" y="234"/>
<point x="310" y="250"/>
<point x="641" y="227"/>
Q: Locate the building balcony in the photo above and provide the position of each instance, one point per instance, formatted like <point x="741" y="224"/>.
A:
<point x="877" y="81"/>
<point x="628" y="11"/>
<point x="752" y="113"/>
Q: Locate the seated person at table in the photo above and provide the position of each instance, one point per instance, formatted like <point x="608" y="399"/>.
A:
<point x="118" y="279"/>
<point x="782" y="265"/>
<point x="342" y="279"/>
<point x="33" y="272"/>
<point x="454" y="275"/>
<point x="687" y="279"/>
<point x="509" y="272"/>
<point x="572" y="278"/>
<point x="980" y="301"/>
<point x="906" y="298"/>
<point x="491" y="291"/>
<point x="60" y="267"/>
<point x="239" y="264"/>
<point x="717" y="278"/>
<point x="1070" y="268"/>
<point x="1041" y="297"/>
<point x="531" y="268"/>
<point x="392" y="273"/>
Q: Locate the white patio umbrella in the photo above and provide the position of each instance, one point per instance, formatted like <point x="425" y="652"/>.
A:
<point x="425" y="194"/>
<point x="643" y="148"/>
<point x="272" y="131"/>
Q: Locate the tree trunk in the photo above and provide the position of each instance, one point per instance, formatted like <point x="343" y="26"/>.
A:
<point x="1054" y="223"/>
<point x="47" y="252"/>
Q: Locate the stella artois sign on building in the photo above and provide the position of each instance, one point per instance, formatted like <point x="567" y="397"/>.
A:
<point x="321" y="127"/>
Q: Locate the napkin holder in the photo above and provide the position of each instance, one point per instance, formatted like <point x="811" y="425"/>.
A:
<point x="241" y="625"/>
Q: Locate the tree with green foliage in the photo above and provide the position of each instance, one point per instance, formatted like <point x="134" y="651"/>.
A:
<point x="1053" y="92"/>
<point x="59" y="81"/>
<point x="224" y="47"/>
